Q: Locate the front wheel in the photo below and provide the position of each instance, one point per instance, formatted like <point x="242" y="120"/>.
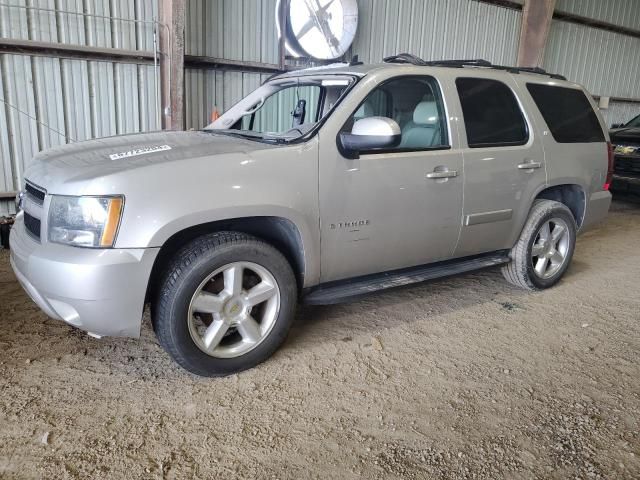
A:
<point x="226" y="303"/>
<point x="545" y="248"/>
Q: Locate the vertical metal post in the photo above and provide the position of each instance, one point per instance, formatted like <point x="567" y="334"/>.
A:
<point x="536" y="21"/>
<point x="172" y="14"/>
<point x="156" y="73"/>
<point x="284" y="24"/>
<point x="18" y="172"/>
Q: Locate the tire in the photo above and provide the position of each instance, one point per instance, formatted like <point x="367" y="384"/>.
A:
<point x="193" y="309"/>
<point x="527" y="270"/>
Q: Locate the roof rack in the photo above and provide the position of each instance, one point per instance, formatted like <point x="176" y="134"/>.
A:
<point x="414" y="60"/>
<point x="405" y="58"/>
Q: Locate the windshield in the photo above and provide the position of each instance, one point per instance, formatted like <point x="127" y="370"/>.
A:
<point x="283" y="110"/>
<point x="635" y="123"/>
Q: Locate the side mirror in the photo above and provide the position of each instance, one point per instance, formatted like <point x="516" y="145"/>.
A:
<point x="368" y="134"/>
<point x="617" y="125"/>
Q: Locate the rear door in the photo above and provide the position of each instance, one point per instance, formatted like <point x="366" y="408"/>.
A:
<point x="504" y="164"/>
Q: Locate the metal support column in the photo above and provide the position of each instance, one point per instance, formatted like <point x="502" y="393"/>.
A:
<point x="172" y="63"/>
<point x="282" y="15"/>
<point x="536" y="22"/>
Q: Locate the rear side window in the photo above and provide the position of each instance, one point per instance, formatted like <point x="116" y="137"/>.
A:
<point x="492" y="115"/>
<point x="568" y="113"/>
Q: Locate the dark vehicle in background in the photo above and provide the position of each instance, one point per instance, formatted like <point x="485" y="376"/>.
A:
<point x="626" y="144"/>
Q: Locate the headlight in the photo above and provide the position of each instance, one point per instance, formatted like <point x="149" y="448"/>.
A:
<point x="84" y="221"/>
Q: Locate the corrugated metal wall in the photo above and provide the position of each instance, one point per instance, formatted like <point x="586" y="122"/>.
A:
<point x="207" y="89"/>
<point x="605" y="62"/>
<point x="232" y="29"/>
<point x="620" y="112"/>
<point x="229" y="29"/>
<point x="437" y="29"/>
<point x="433" y="29"/>
<point x="48" y="101"/>
<point x="624" y="13"/>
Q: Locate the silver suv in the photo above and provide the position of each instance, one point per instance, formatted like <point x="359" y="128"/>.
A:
<point x="322" y="185"/>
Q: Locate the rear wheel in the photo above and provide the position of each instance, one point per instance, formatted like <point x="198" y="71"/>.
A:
<point x="545" y="248"/>
<point x="225" y="304"/>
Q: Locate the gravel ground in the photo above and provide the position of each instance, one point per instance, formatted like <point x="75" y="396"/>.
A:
<point x="461" y="378"/>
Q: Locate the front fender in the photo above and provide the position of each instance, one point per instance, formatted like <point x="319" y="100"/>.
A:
<point x="274" y="182"/>
<point x="308" y="235"/>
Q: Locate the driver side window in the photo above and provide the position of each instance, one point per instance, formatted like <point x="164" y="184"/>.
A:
<point x="415" y="104"/>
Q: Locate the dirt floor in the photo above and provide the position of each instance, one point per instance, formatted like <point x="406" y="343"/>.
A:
<point x="461" y="378"/>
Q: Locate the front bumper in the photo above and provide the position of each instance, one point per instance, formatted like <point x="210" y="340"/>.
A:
<point x="101" y="291"/>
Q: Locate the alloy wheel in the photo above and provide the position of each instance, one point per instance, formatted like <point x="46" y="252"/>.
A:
<point x="550" y="248"/>
<point x="234" y="309"/>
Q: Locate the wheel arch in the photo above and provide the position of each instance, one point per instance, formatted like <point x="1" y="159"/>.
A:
<point x="279" y="232"/>
<point x="571" y="195"/>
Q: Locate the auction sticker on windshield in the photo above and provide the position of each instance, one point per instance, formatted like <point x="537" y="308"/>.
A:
<point x="139" y="151"/>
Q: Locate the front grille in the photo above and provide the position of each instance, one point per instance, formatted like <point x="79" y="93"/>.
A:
<point x="627" y="165"/>
<point x="37" y="194"/>
<point x="32" y="224"/>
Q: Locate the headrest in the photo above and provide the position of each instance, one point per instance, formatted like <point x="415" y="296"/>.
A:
<point x="426" y="113"/>
<point x="365" y="111"/>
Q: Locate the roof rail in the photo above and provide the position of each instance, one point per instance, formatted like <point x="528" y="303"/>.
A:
<point x="478" y="62"/>
<point x="537" y="70"/>
<point x="405" y="58"/>
<point x="414" y="60"/>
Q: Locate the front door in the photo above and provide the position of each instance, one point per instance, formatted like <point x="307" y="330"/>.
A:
<point x="398" y="207"/>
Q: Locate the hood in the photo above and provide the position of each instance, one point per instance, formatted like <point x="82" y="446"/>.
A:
<point x="625" y="135"/>
<point x="85" y="161"/>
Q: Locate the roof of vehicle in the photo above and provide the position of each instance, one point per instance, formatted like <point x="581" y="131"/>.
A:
<point x="407" y="60"/>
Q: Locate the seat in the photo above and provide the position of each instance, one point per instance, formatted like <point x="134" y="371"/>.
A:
<point x="422" y="131"/>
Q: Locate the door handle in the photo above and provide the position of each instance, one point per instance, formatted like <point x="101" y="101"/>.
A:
<point x="443" y="174"/>
<point x="529" y="165"/>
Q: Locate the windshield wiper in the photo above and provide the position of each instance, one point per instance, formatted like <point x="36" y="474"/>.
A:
<point x="236" y="133"/>
<point x="242" y="133"/>
<point x="249" y="136"/>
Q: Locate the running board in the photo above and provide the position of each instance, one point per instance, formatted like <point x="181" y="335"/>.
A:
<point x="345" y="290"/>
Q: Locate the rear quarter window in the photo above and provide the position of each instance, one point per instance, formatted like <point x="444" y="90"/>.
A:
<point x="568" y="114"/>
